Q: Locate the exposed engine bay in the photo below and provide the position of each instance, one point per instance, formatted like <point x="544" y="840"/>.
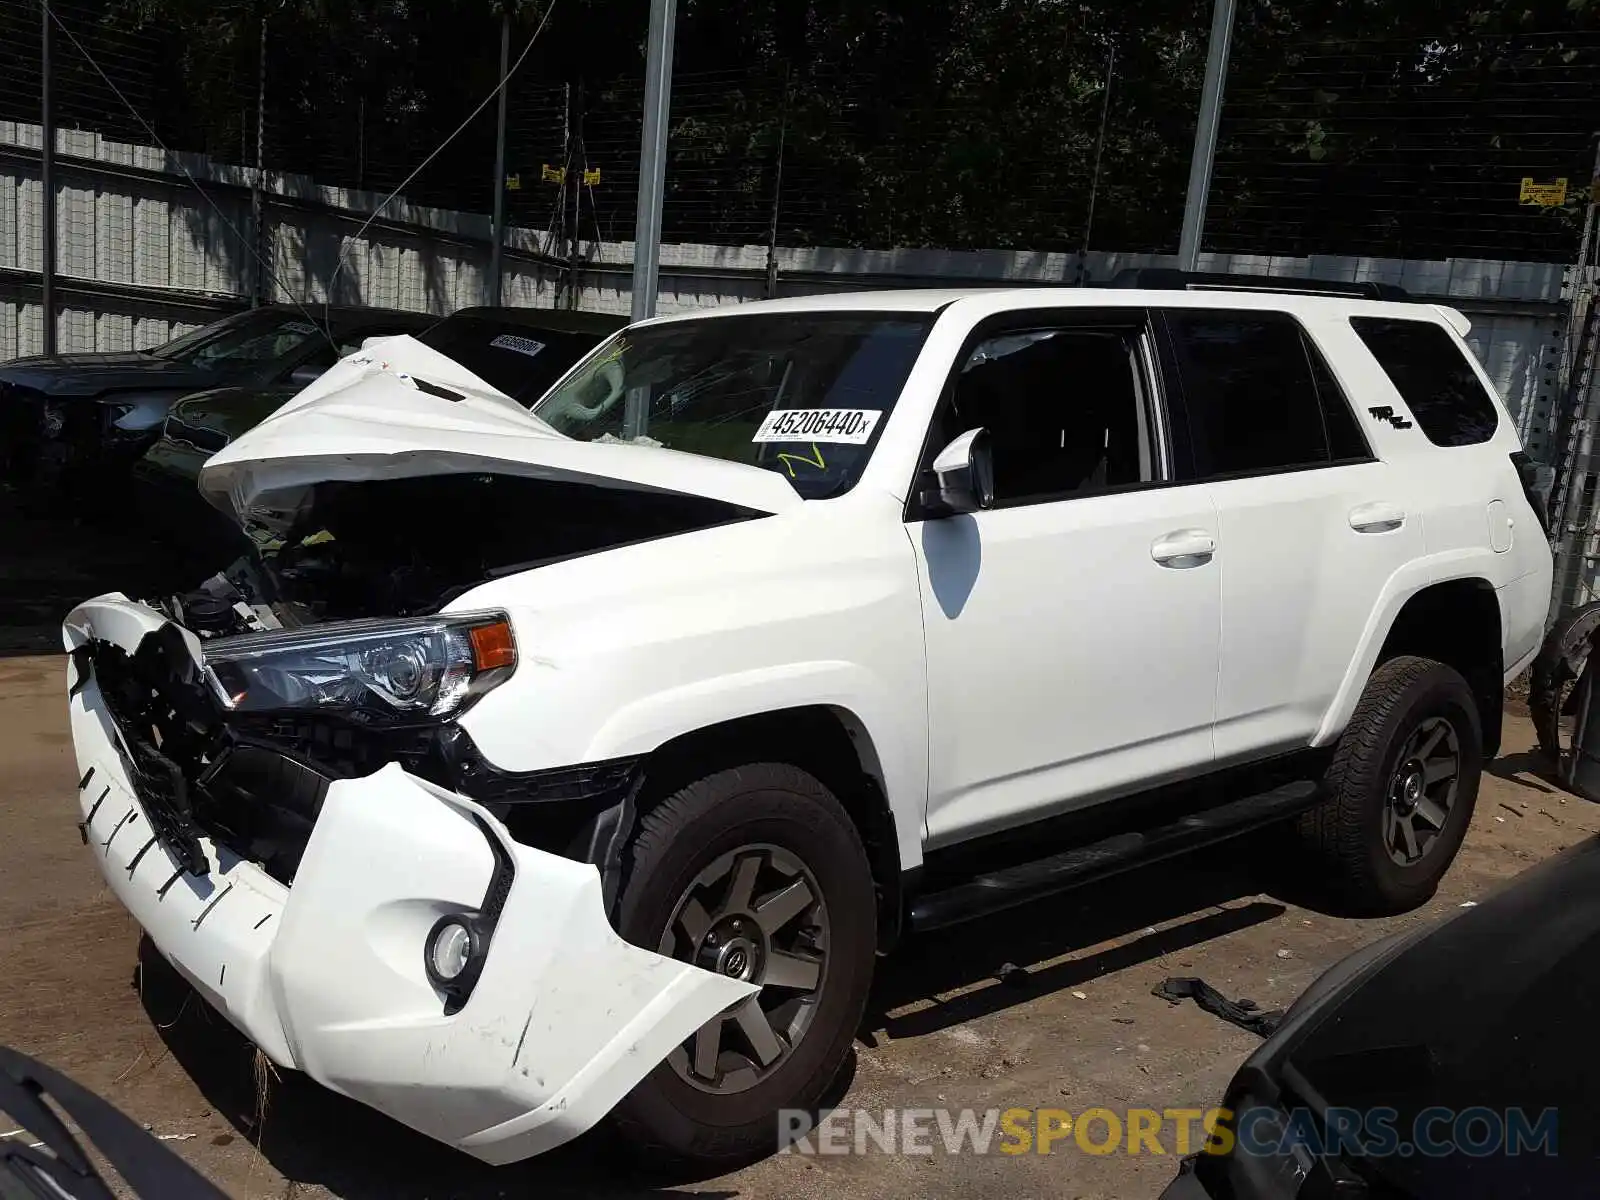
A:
<point x="208" y="761"/>
<point x="402" y="547"/>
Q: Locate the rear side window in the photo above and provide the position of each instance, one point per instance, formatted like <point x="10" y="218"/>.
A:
<point x="1254" y="401"/>
<point x="1434" y="377"/>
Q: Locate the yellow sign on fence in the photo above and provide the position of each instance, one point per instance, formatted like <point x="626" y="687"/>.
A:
<point x="1544" y="195"/>
<point x="591" y="178"/>
<point x="551" y="174"/>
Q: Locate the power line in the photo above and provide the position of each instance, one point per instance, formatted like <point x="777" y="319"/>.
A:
<point x="171" y="157"/>
<point x="437" y="150"/>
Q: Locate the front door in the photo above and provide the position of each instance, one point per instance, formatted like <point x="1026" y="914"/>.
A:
<point x="1072" y="629"/>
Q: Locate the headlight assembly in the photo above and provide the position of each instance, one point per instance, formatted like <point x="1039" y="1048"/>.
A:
<point x="421" y="668"/>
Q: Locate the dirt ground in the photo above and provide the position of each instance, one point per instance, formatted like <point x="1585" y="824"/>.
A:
<point x="1076" y="1027"/>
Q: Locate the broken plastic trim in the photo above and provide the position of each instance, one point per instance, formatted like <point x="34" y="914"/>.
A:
<point x="147" y="1166"/>
<point x="165" y="718"/>
<point x="481" y="923"/>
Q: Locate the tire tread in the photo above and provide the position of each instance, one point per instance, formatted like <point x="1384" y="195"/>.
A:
<point x="1336" y="831"/>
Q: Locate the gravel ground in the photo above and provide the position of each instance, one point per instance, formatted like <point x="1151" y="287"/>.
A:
<point x="953" y="1023"/>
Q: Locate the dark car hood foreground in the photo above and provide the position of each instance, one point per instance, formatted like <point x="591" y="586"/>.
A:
<point x="70" y="375"/>
<point x="1494" y="1007"/>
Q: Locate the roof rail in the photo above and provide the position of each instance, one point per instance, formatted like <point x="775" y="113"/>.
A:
<point x="1173" y="280"/>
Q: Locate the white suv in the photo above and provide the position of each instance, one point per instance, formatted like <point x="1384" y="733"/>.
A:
<point x="542" y="767"/>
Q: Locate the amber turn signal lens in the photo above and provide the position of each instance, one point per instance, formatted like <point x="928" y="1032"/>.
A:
<point x="493" y="646"/>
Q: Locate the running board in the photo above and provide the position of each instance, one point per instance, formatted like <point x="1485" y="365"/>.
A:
<point x="999" y="890"/>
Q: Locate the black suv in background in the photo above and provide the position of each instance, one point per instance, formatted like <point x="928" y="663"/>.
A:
<point x="71" y="423"/>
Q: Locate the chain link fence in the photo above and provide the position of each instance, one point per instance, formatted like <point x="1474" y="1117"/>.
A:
<point x="1078" y="137"/>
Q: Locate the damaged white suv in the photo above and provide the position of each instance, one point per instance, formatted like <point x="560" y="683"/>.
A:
<point x="547" y="766"/>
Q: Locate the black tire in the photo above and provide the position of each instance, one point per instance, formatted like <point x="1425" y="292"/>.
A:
<point x="774" y="805"/>
<point x="1406" y="697"/>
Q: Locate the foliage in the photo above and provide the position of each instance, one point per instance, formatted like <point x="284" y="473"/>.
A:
<point x="949" y="123"/>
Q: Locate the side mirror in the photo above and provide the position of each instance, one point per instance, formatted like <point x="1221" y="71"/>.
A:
<point x="305" y="376"/>
<point x="963" y="475"/>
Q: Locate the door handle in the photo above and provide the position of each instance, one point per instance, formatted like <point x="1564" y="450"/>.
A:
<point x="1184" y="548"/>
<point x="1376" y="518"/>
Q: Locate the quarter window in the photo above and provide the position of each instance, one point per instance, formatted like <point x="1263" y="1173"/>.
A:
<point x="1434" y="377"/>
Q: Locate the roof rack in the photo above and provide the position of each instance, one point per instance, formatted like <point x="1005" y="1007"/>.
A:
<point x="1173" y="280"/>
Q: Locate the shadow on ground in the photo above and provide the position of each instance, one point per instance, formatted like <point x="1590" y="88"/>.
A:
<point x="312" y="1136"/>
<point x="1185" y="897"/>
<point x="1532" y="769"/>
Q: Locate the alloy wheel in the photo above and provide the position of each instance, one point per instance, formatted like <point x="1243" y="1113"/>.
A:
<point x="756" y="914"/>
<point x="1422" y="791"/>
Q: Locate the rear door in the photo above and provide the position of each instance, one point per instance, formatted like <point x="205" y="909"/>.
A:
<point x="1311" y="523"/>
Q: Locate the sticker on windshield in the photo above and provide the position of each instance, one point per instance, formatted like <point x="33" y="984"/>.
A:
<point x="522" y="345"/>
<point x="843" y="426"/>
<point x="300" y="327"/>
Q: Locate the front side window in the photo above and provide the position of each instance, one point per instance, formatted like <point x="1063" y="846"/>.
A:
<point x="1252" y="397"/>
<point x="1434" y="378"/>
<point x="1063" y="409"/>
<point x="802" y="394"/>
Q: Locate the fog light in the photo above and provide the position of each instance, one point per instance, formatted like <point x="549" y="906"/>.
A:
<point x="452" y="954"/>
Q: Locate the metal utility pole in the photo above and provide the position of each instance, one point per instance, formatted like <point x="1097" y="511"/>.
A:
<point x="259" y="293"/>
<point x="653" y="157"/>
<point x="1205" y="134"/>
<point x="576" y="161"/>
<point x="1573" y="505"/>
<point x="777" y="193"/>
<point x="47" y="182"/>
<point x="1099" y="153"/>
<point x="495" y="250"/>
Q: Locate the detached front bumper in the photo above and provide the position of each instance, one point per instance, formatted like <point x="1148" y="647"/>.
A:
<point x="327" y="975"/>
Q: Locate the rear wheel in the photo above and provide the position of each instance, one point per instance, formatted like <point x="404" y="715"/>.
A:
<point x="1401" y="788"/>
<point x="757" y="873"/>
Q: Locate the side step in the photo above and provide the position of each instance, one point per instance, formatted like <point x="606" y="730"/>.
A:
<point x="1008" y="888"/>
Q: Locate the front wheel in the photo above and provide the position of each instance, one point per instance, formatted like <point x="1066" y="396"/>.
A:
<point x="757" y="873"/>
<point x="1401" y="789"/>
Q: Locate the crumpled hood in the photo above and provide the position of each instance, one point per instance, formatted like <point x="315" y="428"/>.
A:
<point x="398" y="409"/>
<point x="81" y="375"/>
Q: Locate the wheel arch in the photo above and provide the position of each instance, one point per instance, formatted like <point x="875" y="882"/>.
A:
<point x="1456" y="621"/>
<point x="829" y="742"/>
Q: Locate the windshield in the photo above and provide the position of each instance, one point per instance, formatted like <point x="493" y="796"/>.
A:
<point x="243" y="342"/>
<point x="520" y="360"/>
<point x="803" y="394"/>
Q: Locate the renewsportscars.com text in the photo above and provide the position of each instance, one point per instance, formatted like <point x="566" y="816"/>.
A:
<point x="1376" y="1132"/>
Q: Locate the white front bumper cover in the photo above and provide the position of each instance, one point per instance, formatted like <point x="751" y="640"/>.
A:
<point x="327" y="976"/>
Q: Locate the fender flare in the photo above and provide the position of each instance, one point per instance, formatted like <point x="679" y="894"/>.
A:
<point x="646" y="724"/>
<point x="1412" y="578"/>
